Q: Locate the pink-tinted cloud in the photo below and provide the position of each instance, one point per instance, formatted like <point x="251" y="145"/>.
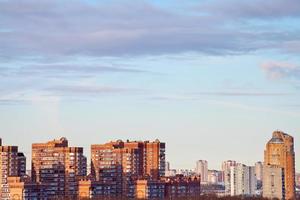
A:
<point x="279" y="70"/>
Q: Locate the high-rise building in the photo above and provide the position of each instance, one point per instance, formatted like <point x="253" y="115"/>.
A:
<point x="279" y="153"/>
<point x="202" y="170"/>
<point x="121" y="163"/>
<point x="12" y="163"/>
<point x="226" y="169"/>
<point x="57" y="166"/>
<point x="242" y="180"/>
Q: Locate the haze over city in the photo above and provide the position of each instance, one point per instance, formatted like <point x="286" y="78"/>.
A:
<point x="211" y="79"/>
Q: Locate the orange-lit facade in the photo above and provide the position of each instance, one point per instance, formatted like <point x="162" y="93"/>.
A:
<point x="58" y="166"/>
<point x="122" y="163"/>
<point x="280" y="153"/>
<point x="12" y="163"/>
<point x="165" y="188"/>
<point x="22" y="188"/>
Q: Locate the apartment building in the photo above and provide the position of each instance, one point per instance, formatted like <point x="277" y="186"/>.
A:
<point x="12" y="163"/>
<point x="122" y="163"/>
<point x="57" y="166"/>
<point x="242" y="180"/>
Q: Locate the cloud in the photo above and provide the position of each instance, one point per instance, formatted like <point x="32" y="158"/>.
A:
<point x="255" y="9"/>
<point x="92" y="90"/>
<point x="280" y="70"/>
<point x="74" y="70"/>
<point x="120" y="28"/>
<point x="238" y="93"/>
<point x="200" y="95"/>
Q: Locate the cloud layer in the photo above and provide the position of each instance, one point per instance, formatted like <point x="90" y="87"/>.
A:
<point x="59" y="28"/>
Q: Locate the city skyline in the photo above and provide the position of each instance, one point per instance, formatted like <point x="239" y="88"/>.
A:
<point x="138" y="170"/>
<point x="87" y="152"/>
<point x="210" y="78"/>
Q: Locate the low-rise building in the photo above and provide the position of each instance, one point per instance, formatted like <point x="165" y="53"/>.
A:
<point x="24" y="189"/>
<point x="182" y="186"/>
<point x="150" y="189"/>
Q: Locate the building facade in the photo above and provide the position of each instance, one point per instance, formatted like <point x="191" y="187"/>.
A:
<point x="202" y="170"/>
<point x="12" y="163"/>
<point x="57" y="166"/>
<point x="280" y="153"/>
<point x="273" y="182"/>
<point x="22" y="188"/>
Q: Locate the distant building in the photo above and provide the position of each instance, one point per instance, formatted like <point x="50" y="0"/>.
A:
<point x="298" y="179"/>
<point x="279" y="165"/>
<point x="259" y="176"/>
<point x="57" y="166"/>
<point x="12" y="163"/>
<point x="169" y="172"/>
<point x="215" y="177"/>
<point x="185" y="172"/>
<point x="259" y="171"/>
<point x="242" y="180"/>
<point x="226" y="169"/>
<point x="202" y="170"/>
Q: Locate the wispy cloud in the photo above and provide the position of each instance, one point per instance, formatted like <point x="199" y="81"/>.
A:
<point x="238" y="93"/>
<point x="200" y="95"/>
<point x="61" y="70"/>
<point x="280" y="69"/>
<point x="93" y="90"/>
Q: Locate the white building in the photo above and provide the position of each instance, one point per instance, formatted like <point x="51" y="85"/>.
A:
<point x="226" y="169"/>
<point x="202" y="170"/>
<point x="169" y="172"/>
<point x="242" y="180"/>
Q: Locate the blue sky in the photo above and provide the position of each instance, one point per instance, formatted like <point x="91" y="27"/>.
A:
<point x="213" y="79"/>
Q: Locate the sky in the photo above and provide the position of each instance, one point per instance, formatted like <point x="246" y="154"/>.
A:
<point x="213" y="79"/>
